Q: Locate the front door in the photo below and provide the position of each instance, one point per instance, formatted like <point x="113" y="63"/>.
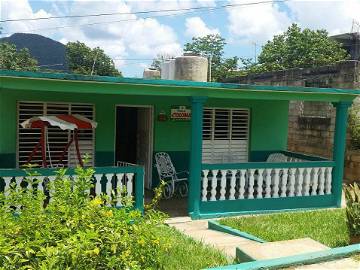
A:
<point x="134" y="138"/>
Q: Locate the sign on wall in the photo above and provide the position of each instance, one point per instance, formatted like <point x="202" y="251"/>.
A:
<point x="180" y="113"/>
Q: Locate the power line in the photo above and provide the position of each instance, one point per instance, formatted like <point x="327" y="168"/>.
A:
<point x="139" y="12"/>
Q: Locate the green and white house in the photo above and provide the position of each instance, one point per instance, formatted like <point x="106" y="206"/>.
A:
<point x="225" y="142"/>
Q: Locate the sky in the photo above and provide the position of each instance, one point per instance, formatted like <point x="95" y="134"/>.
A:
<point x="133" y="39"/>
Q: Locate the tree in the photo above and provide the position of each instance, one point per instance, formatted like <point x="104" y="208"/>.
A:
<point x="298" y="48"/>
<point x="156" y="63"/>
<point x="212" y="47"/>
<point x="12" y="59"/>
<point x="84" y="60"/>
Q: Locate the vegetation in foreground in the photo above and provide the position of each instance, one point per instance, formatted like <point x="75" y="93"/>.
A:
<point x="326" y="226"/>
<point x="77" y="231"/>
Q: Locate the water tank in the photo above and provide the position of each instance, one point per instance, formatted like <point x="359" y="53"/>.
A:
<point x="151" y="73"/>
<point x="164" y="66"/>
<point x="191" y="68"/>
<point x="172" y="69"/>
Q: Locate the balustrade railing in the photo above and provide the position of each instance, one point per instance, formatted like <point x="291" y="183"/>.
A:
<point x="261" y="180"/>
<point x="116" y="182"/>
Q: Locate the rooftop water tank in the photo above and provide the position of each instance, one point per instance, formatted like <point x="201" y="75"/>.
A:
<point x="164" y="66"/>
<point x="191" y="67"/>
<point x="151" y="73"/>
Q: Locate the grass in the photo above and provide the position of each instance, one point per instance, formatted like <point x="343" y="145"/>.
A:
<point x="326" y="226"/>
<point x="185" y="253"/>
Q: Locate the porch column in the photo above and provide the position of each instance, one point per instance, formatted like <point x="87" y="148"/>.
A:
<point x="339" y="148"/>
<point x="195" y="155"/>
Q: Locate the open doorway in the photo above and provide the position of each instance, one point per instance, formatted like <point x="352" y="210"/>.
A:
<point x="134" y="138"/>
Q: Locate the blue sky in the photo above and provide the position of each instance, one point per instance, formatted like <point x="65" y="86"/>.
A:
<point x="136" y="37"/>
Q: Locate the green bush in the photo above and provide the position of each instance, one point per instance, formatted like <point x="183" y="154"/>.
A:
<point x="354" y="126"/>
<point x="75" y="230"/>
<point x="352" y="195"/>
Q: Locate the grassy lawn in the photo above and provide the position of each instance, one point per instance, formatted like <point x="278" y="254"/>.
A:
<point x="326" y="226"/>
<point x="185" y="253"/>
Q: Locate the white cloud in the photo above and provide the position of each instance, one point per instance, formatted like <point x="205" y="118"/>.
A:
<point x="143" y="37"/>
<point x="334" y="16"/>
<point x="256" y="23"/>
<point x="196" y="27"/>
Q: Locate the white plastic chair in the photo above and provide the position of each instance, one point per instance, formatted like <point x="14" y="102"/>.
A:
<point x="167" y="172"/>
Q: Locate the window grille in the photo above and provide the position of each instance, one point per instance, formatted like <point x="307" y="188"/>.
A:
<point x="57" y="138"/>
<point x="225" y="135"/>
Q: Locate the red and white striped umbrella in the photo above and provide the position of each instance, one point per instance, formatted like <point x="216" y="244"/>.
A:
<point x="63" y="121"/>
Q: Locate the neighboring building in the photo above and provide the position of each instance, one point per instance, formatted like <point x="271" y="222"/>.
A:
<point x="234" y="143"/>
<point x="312" y="124"/>
<point x="351" y="43"/>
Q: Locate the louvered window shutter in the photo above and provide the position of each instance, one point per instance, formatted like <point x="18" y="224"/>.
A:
<point x="57" y="138"/>
<point x="225" y="135"/>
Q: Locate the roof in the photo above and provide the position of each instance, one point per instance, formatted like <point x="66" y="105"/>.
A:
<point x="346" y="36"/>
<point x="172" y="83"/>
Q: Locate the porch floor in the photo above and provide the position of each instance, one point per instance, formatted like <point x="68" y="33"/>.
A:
<point x="174" y="207"/>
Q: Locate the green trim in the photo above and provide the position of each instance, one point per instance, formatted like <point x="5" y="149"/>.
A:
<point x="195" y="155"/>
<point x="213" y="225"/>
<point x="258" y="212"/>
<point x="339" y="148"/>
<point x="306" y="258"/>
<point x="219" y="208"/>
<point x="120" y="80"/>
<point x="265" y="165"/>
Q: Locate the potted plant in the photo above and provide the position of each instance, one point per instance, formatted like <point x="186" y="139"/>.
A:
<point x="352" y="195"/>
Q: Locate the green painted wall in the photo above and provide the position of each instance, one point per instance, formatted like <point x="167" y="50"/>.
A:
<point x="268" y="123"/>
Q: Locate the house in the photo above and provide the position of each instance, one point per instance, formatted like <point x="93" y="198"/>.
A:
<point x="226" y="142"/>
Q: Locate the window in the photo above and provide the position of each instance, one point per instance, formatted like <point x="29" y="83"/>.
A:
<point x="225" y="135"/>
<point x="57" y="138"/>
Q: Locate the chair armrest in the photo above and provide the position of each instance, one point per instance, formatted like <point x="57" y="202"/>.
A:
<point x="183" y="173"/>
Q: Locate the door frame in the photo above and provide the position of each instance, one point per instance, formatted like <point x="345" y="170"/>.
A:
<point x="151" y="137"/>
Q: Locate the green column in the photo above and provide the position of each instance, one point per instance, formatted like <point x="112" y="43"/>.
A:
<point x="195" y="156"/>
<point x="339" y="148"/>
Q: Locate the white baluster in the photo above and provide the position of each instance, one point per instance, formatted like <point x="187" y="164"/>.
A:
<point x="7" y="180"/>
<point x="40" y="186"/>
<point x="307" y="181"/>
<point x="292" y="182"/>
<point x="328" y="180"/>
<point x="260" y="181"/>
<point x="242" y="184"/>
<point x="322" y="180"/>
<point x="300" y="182"/>
<point x="268" y="183"/>
<point x="109" y="177"/>
<point x="223" y="184"/>
<point x="251" y="184"/>
<point x="129" y="184"/>
<point x="276" y="183"/>
<point x="98" y="178"/>
<point x="205" y="185"/>
<point x="284" y="178"/>
<point x="232" y="185"/>
<point x="18" y="181"/>
<point x="315" y="181"/>
<point x="51" y="179"/>
<point x="213" y="185"/>
<point x="119" y="188"/>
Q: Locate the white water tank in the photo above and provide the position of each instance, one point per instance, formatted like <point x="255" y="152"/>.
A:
<point x="151" y="73"/>
<point x="191" y="67"/>
<point x="172" y="69"/>
<point x="164" y="66"/>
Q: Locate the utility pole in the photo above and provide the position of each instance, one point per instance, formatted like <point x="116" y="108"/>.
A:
<point x="93" y="66"/>
<point x="255" y="51"/>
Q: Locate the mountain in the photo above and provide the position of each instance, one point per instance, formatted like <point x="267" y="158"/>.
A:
<point x="47" y="51"/>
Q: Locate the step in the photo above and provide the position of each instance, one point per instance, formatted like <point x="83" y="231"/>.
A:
<point x="271" y="250"/>
<point x="347" y="263"/>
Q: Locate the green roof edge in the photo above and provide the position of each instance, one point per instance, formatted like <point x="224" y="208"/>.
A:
<point x="154" y="82"/>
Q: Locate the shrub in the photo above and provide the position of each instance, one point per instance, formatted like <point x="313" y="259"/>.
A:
<point x="352" y="195"/>
<point x="354" y="126"/>
<point x="75" y="230"/>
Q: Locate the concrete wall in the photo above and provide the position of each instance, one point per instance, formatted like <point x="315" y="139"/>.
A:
<point x="312" y="124"/>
